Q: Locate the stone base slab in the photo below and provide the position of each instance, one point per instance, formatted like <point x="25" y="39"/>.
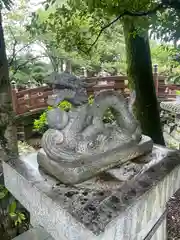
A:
<point x="95" y="164"/>
<point x="34" y="234"/>
<point x="127" y="212"/>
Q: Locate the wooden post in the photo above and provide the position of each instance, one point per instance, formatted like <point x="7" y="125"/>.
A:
<point x="14" y="96"/>
<point x="14" y="100"/>
<point x="155" y="76"/>
<point x="29" y="84"/>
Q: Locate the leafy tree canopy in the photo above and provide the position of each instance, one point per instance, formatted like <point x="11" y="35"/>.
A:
<point x="83" y="21"/>
<point x="6" y="4"/>
<point x="19" y="43"/>
<point x="110" y="53"/>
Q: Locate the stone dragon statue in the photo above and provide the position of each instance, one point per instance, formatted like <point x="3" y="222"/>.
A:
<point x="78" y="144"/>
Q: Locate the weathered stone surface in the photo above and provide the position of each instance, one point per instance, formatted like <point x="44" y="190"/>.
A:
<point x="171" y="130"/>
<point x="34" y="234"/>
<point x="78" y="144"/>
<point x="171" y="142"/>
<point x="72" y="174"/>
<point x="172" y="106"/>
<point x="93" y="210"/>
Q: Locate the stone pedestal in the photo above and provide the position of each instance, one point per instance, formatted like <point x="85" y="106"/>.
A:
<point x="129" y="206"/>
<point x="171" y="129"/>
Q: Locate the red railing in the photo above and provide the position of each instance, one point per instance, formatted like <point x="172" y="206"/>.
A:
<point x="30" y="100"/>
<point x="33" y="100"/>
<point x="105" y="83"/>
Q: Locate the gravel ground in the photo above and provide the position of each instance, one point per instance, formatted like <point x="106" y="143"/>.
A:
<point x="173" y="217"/>
<point x="35" y="142"/>
<point x="24" y="148"/>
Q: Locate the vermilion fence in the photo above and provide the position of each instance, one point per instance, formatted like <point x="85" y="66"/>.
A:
<point x="33" y="100"/>
<point x="30" y="100"/>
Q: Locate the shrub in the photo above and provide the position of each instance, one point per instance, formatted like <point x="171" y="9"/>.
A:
<point x="109" y="116"/>
<point x="41" y="125"/>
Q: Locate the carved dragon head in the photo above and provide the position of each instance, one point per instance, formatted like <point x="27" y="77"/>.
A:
<point x="68" y="87"/>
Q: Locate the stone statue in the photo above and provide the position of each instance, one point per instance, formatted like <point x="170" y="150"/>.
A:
<point x="171" y="126"/>
<point x="78" y="145"/>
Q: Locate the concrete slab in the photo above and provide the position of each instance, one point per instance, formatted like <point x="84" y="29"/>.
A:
<point x="99" y="209"/>
<point x="34" y="234"/>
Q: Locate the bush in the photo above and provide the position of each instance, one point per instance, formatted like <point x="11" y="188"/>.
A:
<point x="41" y="125"/>
<point x="109" y="116"/>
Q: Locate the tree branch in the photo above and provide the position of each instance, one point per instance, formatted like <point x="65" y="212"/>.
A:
<point x="127" y="13"/>
<point x="24" y="64"/>
<point x="14" y="51"/>
<point x="14" y="47"/>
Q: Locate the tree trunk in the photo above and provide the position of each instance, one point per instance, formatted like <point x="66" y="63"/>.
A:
<point x="175" y="43"/>
<point x="8" y="133"/>
<point x="68" y="67"/>
<point x="54" y="65"/>
<point x="141" y="79"/>
<point x="61" y="65"/>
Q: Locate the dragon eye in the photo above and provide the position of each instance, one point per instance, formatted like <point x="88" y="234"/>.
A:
<point x="91" y="145"/>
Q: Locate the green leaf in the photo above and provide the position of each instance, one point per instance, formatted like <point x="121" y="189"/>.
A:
<point x="22" y="216"/>
<point x="2" y="195"/>
<point x="16" y="222"/>
<point x="12" y="214"/>
<point x="3" y="191"/>
<point x="12" y="207"/>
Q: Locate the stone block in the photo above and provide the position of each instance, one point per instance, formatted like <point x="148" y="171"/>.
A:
<point x="34" y="234"/>
<point x="171" y="142"/>
<point x="103" y="208"/>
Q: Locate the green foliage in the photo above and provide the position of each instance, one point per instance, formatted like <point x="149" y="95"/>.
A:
<point x="165" y="56"/>
<point x="77" y="23"/>
<point x="3" y="192"/>
<point x="29" y="69"/>
<point x="22" y="60"/>
<point x="109" y="116"/>
<point x="65" y="105"/>
<point x="166" y="26"/>
<point x="16" y="216"/>
<point x="174" y="78"/>
<point x="6" y="4"/>
<point x="41" y="125"/>
<point x="109" y="53"/>
<point x="90" y="99"/>
<point x="12" y="207"/>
